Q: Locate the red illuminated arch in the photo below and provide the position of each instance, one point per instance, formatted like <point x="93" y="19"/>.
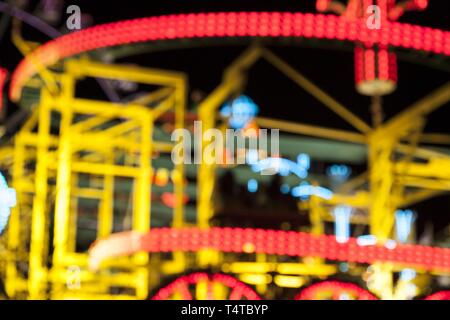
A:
<point x="231" y="24"/>
<point x="183" y="287"/>
<point x="334" y="290"/>
<point x="441" y="295"/>
<point x="247" y="240"/>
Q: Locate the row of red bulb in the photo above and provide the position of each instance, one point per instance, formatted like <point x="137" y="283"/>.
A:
<point x="243" y="24"/>
<point x="337" y="290"/>
<point x="375" y="63"/>
<point x="181" y="287"/>
<point x="290" y="243"/>
<point x="329" y="289"/>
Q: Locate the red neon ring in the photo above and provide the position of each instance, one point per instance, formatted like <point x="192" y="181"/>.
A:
<point x="240" y="290"/>
<point x="277" y="242"/>
<point x="232" y="24"/>
<point x="441" y="295"/>
<point x="335" y="288"/>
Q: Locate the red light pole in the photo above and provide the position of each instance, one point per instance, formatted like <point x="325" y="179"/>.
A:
<point x="375" y="65"/>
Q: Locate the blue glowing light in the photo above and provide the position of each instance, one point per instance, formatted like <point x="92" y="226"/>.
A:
<point x="403" y="224"/>
<point x="239" y="112"/>
<point x="7" y="201"/>
<point x="307" y="190"/>
<point x="343" y="267"/>
<point x="407" y="274"/>
<point x="342" y="223"/>
<point x="366" y="240"/>
<point x="252" y="156"/>
<point x="339" y="172"/>
<point x="282" y="166"/>
<point x="371" y="240"/>
<point x="252" y="185"/>
<point x="285" y="188"/>
<point x="304" y="161"/>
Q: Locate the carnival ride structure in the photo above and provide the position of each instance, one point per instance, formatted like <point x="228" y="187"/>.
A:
<point x="75" y="154"/>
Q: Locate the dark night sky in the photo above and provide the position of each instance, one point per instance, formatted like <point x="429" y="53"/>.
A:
<point x="331" y="69"/>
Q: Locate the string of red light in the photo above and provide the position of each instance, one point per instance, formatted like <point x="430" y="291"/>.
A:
<point x="238" y="290"/>
<point x="232" y="24"/>
<point x="331" y="289"/>
<point x="284" y="243"/>
<point x="336" y="289"/>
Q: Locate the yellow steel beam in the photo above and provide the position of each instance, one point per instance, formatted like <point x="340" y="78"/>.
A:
<point x="163" y="107"/>
<point x="106" y="210"/>
<point x="88" y="124"/>
<point x="381" y="170"/>
<point x="37" y="268"/>
<point x="354" y="183"/>
<point x="285" y="268"/>
<point x="31" y="122"/>
<point x="239" y="66"/>
<point x="316" y="92"/>
<point x="232" y="82"/>
<point x="49" y="80"/>
<point x="85" y="68"/>
<point x="102" y="108"/>
<point x="425" y="183"/>
<point x="403" y="121"/>
<point x="98" y="141"/>
<point x="101" y="169"/>
<point x="153" y="97"/>
<point x="420" y="152"/>
<point x="179" y="176"/>
<point x="435" y="168"/>
<point x="63" y="182"/>
<point x="414" y="197"/>
<point x="435" y="138"/>
<point x="310" y="130"/>
<point x="360" y="199"/>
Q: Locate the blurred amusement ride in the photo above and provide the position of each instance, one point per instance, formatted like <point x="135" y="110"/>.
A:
<point x="93" y="207"/>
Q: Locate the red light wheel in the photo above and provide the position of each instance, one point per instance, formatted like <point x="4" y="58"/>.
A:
<point x="441" y="295"/>
<point x="203" y="286"/>
<point x="334" y="290"/>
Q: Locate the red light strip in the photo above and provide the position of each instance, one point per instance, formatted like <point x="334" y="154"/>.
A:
<point x="181" y="286"/>
<point x="287" y="243"/>
<point x="441" y="295"/>
<point x="232" y="24"/>
<point x="334" y="290"/>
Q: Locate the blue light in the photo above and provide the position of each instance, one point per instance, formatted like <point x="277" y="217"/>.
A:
<point x="306" y="190"/>
<point x="403" y="224"/>
<point x="281" y="166"/>
<point x="407" y="274"/>
<point x="371" y="240"/>
<point x="304" y="161"/>
<point x="342" y="223"/>
<point x="343" y="267"/>
<point x="7" y="201"/>
<point x="366" y="240"/>
<point x="339" y="172"/>
<point x="252" y="156"/>
<point x="285" y="188"/>
<point x="252" y="185"/>
<point x="239" y="112"/>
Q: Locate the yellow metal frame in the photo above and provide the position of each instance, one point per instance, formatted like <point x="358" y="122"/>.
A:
<point x="68" y="138"/>
<point x="81" y="148"/>
<point x="388" y="178"/>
